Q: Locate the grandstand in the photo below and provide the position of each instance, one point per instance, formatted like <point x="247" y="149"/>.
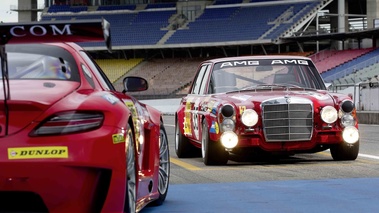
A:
<point x="165" y="41"/>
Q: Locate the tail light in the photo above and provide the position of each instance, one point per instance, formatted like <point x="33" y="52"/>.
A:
<point x="69" y="122"/>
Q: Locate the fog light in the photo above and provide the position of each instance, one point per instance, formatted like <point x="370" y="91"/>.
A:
<point x="229" y="139"/>
<point x="350" y="134"/>
<point x="227" y="125"/>
<point x="347" y="120"/>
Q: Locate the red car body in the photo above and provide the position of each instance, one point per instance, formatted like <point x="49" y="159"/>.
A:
<point x="263" y="104"/>
<point x="69" y="141"/>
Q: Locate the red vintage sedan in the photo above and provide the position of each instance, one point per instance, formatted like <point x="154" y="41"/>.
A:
<point x="263" y="105"/>
<point x="69" y="142"/>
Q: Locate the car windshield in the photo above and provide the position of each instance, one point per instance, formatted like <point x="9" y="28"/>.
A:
<point x="245" y="75"/>
<point x="42" y="62"/>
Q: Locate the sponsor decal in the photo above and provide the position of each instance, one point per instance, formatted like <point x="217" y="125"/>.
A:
<point x="187" y="117"/>
<point x="302" y="62"/>
<point x="214" y="128"/>
<point x="214" y="108"/>
<point x="37" y="152"/>
<point x="246" y="63"/>
<point x="195" y="118"/>
<point x="239" y="63"/>
<point x="242" y="109"/>
<point x="210" y="105"/>
<point x="118" y="138"/>
<point x="40" y="30"/>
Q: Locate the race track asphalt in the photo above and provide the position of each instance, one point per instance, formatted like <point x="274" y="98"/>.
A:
<point x="358" y="195"/>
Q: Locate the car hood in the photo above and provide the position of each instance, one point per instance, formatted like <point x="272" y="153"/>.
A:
<point x="318" y="97"/>
<point x="29" y="99"/>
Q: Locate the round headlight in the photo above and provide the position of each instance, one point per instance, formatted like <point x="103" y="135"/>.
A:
<point x="347" y="106"/>
<point x="350" y="134"/>
<point x="227" y="125"/>
<point x="347" y="120"/>
<point x="329" y="114"/>
<point x="249" y="117"/>
<point x="229" y="139"/>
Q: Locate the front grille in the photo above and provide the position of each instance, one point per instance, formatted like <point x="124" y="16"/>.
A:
<point x="287" y="120"/>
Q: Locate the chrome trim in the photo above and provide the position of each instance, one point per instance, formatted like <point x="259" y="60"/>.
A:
<point x="287" y="119"/>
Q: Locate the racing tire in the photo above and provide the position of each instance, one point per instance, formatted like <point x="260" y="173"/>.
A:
<point x="131" y="187"/>
<point x="164" y="167"/>
<point x="345" y="151"/>
<point x="183" y="147"/>
<point x="212" y="152"/>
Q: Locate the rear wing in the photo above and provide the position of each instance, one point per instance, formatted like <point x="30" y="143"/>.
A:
<point x="46" y="32"/>
<point x="56" y="31"/>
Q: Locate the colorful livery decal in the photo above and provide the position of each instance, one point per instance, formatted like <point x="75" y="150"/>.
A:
<point x="187" y="118"/>
<point x="214" y="128"/>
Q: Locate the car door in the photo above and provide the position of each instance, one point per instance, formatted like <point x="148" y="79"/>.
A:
<point x="193" y="102"/>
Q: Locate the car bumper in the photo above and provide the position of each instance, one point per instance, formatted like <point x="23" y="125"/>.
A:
<point x="90" y="178"/>
<point x="319" y="139"/>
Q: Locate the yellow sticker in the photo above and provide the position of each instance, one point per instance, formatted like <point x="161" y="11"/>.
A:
<point x="242" y="109"/>
<point x="217" y="129"/>
<point x="187" y="124"/>
<point x="118" y="138"/>
<point x="38" y="152"/>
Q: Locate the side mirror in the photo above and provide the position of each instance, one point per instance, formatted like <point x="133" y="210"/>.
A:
<point x="135" y="84"/>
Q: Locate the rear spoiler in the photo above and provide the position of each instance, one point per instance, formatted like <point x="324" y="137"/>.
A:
<point x="56" y="31"/>
<point x="46" y="32"/>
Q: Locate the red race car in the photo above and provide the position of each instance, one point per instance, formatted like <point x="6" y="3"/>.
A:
<point x="263" y="106"/>
<point x="69" y="142"/>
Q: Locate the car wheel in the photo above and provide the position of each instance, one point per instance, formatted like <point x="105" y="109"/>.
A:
<point x="212" y="152"/>
<point x="183" y="148"/>
<point x="344" y="151"/>
<point x="164" y="167"/>
<point x="130" y="204"/>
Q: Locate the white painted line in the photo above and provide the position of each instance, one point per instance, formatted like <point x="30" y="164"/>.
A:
<point x="369" y="156"/>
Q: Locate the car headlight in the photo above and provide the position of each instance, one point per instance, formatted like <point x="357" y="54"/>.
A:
<point x="347" y="106"/>
<point x="249" y="117"/>
<point x="329" y="114"/>
<point x="227" y="125"/>
<point x="227" y="110"/>
<point x="229" y="139"/>
<point x="347" y="120"/>
<point x="350" y="134"/>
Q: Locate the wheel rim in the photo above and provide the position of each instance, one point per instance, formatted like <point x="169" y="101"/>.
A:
<point x="204" y="138"/>
<point x="176" y="137"/>
<point x="164" y="163"/>
<point x="131" y="176"/>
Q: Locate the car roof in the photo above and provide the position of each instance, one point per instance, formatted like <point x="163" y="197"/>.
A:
<point x="257" y="57"/>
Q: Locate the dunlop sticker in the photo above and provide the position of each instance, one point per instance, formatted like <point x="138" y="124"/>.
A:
<point x="38" y="152"/>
